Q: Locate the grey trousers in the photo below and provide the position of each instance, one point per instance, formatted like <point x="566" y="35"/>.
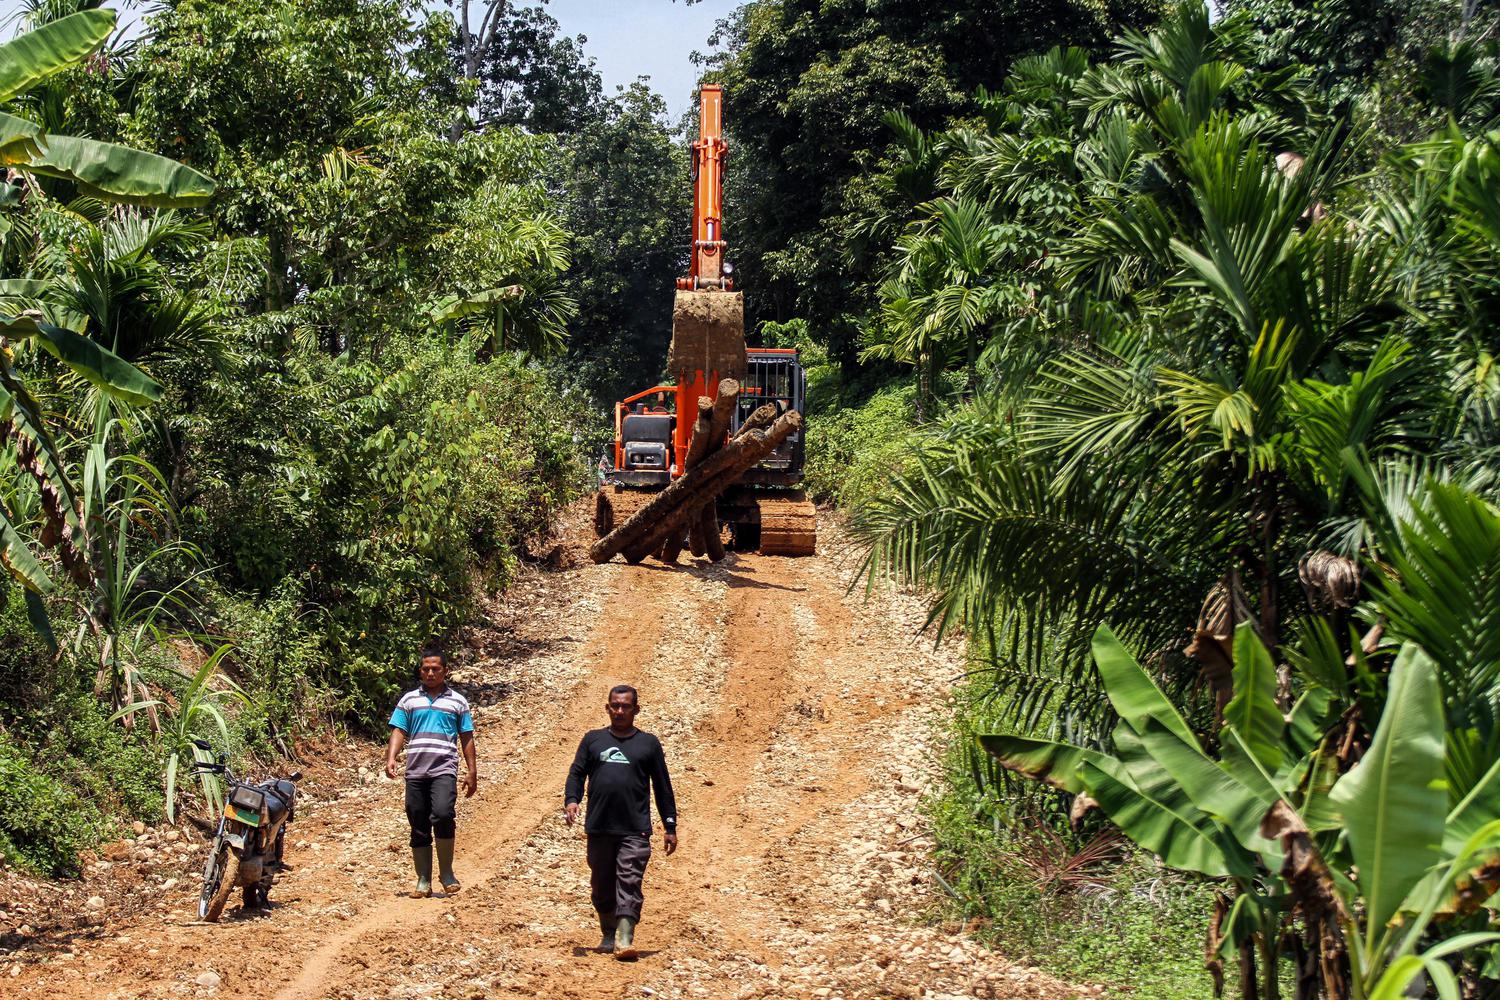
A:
<point x="616" y="866"/>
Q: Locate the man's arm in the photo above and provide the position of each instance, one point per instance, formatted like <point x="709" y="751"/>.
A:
<point x="573" y="791"/>
<point x="666" y="802"/>
<point x="471" y="759"/>
<point x="393" y="753"/>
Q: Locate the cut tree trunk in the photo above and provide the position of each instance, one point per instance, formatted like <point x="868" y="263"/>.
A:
<point x="764" y="416"/>
<point x="669" y="499"/>
<point x="708" y="524"/>
<point x="652" y="525"/>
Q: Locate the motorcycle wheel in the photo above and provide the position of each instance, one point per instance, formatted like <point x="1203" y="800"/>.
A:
<point x="211" y="903"/>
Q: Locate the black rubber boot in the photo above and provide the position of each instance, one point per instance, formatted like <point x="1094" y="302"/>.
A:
<point x="421" y="859"/>
<point x="445" y="866"/>
<point x="606" y="933"/>
<point x="625" y="939"/>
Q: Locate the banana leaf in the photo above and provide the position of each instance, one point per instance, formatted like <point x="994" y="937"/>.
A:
<point x="19" y="560"/>
<point x="1056" y="764"/>
<point x="101" y="366"/>
<point x="1217" y="793"/>
<point x="22" y="288"/>
<point x="1253" y="711"/>
<point x="1161" y="829"/>
<point x="20" y="140"/>
<point x="1131" y="691"/>
<point x="451" y="307"/>
<point x="1395" y="799"/>
<point x="62" y="44"/>
<point x="121" y="174"/>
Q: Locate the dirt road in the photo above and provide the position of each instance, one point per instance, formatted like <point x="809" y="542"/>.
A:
<point x="801" y="728"/>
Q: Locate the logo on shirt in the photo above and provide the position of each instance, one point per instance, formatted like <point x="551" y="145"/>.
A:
<point x="613" y="756"/>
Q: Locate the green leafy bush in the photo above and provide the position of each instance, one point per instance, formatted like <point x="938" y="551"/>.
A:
<point x="852" y="452"/>
<point x="43" y="823"/>
<point x="392" y="495"/>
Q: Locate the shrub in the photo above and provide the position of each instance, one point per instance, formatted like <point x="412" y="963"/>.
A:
<point x="43" y="823"/>
<point x="1073" y="902"/>
<point x="853" y="451"/>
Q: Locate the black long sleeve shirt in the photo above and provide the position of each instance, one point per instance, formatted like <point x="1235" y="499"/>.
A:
<point x="620" y="774"/>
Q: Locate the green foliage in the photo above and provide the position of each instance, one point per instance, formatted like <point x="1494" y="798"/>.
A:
<point x="1114" y="917"/>
<point x="810" y="87"/>
<point x="1362" y="861"/>
<point x="854" y="451"/>
<point x="627" y="192"/>
<point x="389" y="502"/>
<point x="43" y="824"/>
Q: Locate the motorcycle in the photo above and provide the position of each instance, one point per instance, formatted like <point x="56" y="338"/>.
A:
<point x="247" y="847"/>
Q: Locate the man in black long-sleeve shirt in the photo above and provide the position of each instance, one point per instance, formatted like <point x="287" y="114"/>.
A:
<point x="621" y="765"/>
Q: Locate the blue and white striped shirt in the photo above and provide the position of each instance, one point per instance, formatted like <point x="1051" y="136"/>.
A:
<point x="432" y="727"/>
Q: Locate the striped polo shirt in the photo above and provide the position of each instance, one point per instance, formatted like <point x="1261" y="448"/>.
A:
<point x="432" y="727"/>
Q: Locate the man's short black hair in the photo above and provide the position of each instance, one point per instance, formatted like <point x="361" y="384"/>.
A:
<point x="635" y="699"/>
<point x="433" y="648"/>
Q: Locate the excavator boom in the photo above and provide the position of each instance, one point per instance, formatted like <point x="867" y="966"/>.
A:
<point x="708" y="316"/>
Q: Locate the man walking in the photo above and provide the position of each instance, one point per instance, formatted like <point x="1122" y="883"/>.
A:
<point x="622" y="765"/>
<point x="431" y="722"/>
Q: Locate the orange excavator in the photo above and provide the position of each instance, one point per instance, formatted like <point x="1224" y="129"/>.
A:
<point x="767" y="511"/>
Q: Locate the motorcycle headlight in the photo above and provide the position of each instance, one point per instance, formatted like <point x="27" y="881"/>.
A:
<point x="249" y="799"/>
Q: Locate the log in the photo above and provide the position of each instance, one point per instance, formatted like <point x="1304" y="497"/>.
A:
<point x="668" y="500"/>
<point x="764" y="416"/>
<point x="727" y="465"/>
<point x="709" y="525"/>
<point x="709" y="429"/>
<point x="671" y="548"/>
<point x="725" y="401"/>
<point x="698" y="443"/>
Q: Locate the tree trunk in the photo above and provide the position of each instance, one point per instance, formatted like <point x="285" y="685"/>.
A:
<point x="764" y="416"/>
<point x="645" y="532"/>
<point x="669" y="499"/>
<point x="708" y="523"/>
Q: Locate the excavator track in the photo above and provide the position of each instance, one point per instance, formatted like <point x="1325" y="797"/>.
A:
<point x="784" y="522"/>
<point x="788" y="525"/>
<point x="613" y="506"/>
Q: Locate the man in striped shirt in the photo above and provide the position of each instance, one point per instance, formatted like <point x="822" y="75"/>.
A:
<point x="431" y="722"/>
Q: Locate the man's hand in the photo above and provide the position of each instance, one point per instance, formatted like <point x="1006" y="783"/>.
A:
<point x="471" y="784"/>
<point x="570" y="813"/>
<point x="671" y="841"/>
<point x="392" y="768"/>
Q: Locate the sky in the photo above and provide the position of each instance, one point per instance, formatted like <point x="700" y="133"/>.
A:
<point x="628" y="38"/>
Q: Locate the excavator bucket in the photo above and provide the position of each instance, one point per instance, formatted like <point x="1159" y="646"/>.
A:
<point x="708" y="333"/>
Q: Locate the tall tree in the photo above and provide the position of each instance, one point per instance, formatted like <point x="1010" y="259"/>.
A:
<point x="809" y="85"/>
<point x="627" y="193"/>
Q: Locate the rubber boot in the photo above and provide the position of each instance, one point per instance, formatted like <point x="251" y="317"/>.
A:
<point x="625" y="939"/>
<point x="421" y="859"/>
<point x="445" y="866"/>
<point x="606" y="933"/>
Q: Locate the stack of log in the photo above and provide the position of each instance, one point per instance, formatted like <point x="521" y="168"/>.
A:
<point x="683" y="513"/>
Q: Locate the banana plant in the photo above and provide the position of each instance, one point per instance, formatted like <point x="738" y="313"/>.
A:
<point x="101" y="170"/>
<point x="1354" y="870"/>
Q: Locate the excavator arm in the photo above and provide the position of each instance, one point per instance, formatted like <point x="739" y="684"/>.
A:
<point x="708" y="316"/>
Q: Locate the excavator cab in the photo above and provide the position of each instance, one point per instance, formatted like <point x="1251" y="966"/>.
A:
<point x="775" y="375"/>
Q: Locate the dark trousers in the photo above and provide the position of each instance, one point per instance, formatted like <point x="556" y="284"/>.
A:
<point x="431" y="804"/>
<point x="616" y="866"/>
